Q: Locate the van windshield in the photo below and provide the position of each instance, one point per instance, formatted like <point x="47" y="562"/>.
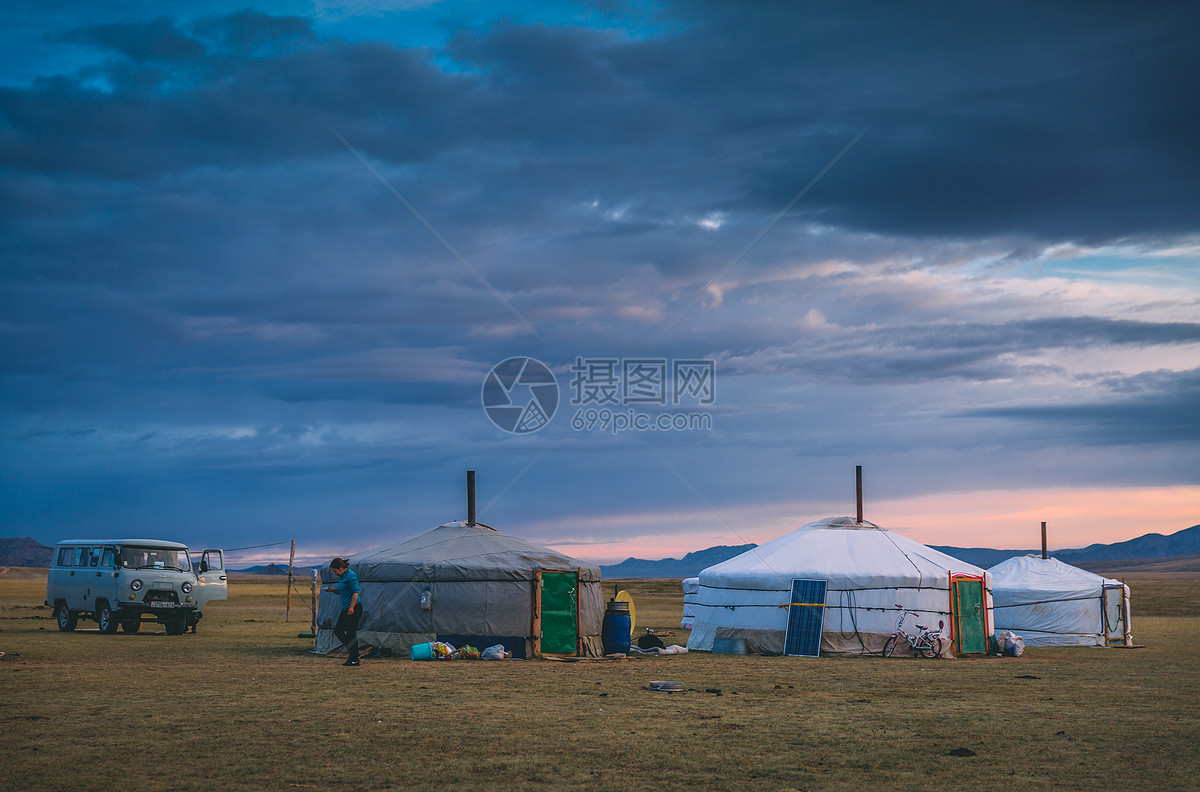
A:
<point x="155" y="558"/>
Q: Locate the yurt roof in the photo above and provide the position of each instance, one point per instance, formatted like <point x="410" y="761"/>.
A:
<point x="847" y="553"/>
<point x="1044" y="574"/>
<point x="460" y="551"/>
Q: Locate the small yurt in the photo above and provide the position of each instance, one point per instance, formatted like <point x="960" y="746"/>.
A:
<point x="691" y="588"/>
<point x="839" y="580"/>
<point x="464" y="582"/>
<point x="1051" y="603"/>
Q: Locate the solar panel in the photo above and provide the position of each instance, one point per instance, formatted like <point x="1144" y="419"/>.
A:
<point x="806" y="612"/>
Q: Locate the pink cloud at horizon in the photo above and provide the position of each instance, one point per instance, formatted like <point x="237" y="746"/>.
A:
<point x="1011" y="519"/>
<point x="1002" y="519"/>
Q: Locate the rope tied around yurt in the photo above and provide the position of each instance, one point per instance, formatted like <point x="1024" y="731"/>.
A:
<point x="255" y="547"/>
<point x="1046" y="602"/>
<point x="423" y="576"/>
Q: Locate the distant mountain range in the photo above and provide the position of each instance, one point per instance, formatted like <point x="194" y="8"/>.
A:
<point x="688" y="566"/>
<point x="1184" y="563"/>
<point x="1148" y="546"/>
<point x="1152" y="552"/>
<point x="275" y="569"/>
<point x="26" y="552"/>
<point x="1144" y="553"/>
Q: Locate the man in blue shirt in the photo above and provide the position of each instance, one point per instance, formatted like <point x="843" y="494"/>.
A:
<point x="346" y="628"/>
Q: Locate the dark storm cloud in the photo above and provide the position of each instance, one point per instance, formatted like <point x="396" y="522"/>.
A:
<point x="451" y="396"/>
<point x="1040" y="334"/>
<point x="1086" y="331"/>
<point x="254" y="90"/>
<point x="209" y="307"/>
<point x="1163" y="411"/>
<point x="1064" y="120"/>
<point x="509" y="153"/>
<point x="972" y="352"/>
<point x="64" y="433"/>
<point x="246" y="33"/>
<point x="253" y="33"/>
<point x="157" y="41"/>
<point x="1040" y="122"/>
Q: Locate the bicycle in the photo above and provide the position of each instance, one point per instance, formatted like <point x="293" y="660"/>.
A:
<point x="926" y="643"/>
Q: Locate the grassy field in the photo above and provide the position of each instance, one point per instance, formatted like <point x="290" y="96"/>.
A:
<point x="243" y="704"/>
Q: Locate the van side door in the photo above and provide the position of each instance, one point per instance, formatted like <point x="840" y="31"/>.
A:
<point x="211" y="583"/>
<point x="106" y="579"/>
<point x="76" y="586"/>
<point x="97" y="585"/>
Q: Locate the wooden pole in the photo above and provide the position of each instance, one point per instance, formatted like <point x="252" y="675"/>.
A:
<point x="314" y="603"/>
<point x="858" y="490"/>
<point x="1044" y="539"/>
<point x="291" y="561"/>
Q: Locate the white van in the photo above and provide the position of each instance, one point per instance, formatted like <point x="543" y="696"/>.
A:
<point x="120" y="582"/>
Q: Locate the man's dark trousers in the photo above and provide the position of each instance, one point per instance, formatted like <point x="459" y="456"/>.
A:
<point x="346" y="629"/>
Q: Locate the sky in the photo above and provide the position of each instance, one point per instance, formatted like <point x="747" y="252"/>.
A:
<point x="663" y="274"/>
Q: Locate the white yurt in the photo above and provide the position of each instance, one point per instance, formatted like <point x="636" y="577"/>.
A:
<point x="865" y="570"/>
<point x="1051" y="603"/>
<point x="465" y="582"/>
<point x="691" y="589"/>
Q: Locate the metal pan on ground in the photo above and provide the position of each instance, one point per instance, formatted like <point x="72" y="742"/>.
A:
<point x="665" y="686"/>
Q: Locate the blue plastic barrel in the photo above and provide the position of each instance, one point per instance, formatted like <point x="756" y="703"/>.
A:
<point x="729" y="646"/>
<point x="614" y="633"/>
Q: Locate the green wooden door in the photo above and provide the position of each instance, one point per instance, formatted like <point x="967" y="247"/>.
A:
<point x="560" y="612"/>
<point x="969" y="613"/>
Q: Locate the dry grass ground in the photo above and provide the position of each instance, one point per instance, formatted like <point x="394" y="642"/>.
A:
<point x="1161" y="594"/>
<point x="243" y="705"/>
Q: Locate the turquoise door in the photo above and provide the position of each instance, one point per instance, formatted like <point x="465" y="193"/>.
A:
<point x="968" y="613"/>
<point x="559" y="607"/>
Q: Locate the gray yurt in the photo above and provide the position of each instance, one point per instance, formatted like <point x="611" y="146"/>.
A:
<point x="465" y="582"/>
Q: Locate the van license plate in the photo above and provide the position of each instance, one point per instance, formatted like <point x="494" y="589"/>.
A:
<point x="157" y="604"/>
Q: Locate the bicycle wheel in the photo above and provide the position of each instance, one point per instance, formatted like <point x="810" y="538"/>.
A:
<point x="889" y="646"/>
<point x="934" y="649"/>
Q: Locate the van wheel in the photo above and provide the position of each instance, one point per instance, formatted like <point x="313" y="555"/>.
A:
<point x="176" y="625"/>
<point x="66" y="619"/>
<point x="106" y="619"/>
<point x="131" y="626"/>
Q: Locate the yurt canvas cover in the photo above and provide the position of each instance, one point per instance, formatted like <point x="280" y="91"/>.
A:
<point x="867" y="570"/>
<point x="483" y="587"/>
<point x="1050" y="603"/>
<point x="691" y="589"/>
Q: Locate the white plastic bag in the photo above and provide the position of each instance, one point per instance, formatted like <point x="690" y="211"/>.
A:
<point x="495" y="653"/>
<point x="1012" y="644"/>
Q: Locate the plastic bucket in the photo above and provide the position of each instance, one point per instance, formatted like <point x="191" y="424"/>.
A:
<point x="614" y="632"/>
<point x="422" y="651"/>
